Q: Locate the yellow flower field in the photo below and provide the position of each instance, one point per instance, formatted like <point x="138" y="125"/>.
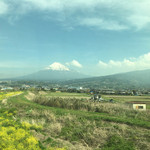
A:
<point x="14" y="134"/>
<point x="4" y="95"/>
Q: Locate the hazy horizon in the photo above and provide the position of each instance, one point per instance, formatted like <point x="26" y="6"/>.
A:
<point x="92" y="37"/>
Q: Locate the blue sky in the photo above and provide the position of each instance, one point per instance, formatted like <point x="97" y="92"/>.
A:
<point x="95" y="37"/>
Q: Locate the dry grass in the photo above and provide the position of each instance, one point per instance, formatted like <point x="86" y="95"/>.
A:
<point x="42" y="93"/>
<point x="93" y="134"/>
<point x="54" y="128"/>
<point x="30" y="95"/>
<point x="113" y="109"/>
<point x="4" y="102"/>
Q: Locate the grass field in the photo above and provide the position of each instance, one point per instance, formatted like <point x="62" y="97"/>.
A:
<point x="122" y="98"/>
<point x="103" y="126"/>
<point x="65" y="94"/>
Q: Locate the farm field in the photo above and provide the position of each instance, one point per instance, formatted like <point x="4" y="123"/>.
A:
<point x="69" y="122"/>
<point x="124" y="99"/>
<point x="65" y="94"/>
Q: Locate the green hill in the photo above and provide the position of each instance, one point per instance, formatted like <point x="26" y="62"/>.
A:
<point x="129" y="80"/>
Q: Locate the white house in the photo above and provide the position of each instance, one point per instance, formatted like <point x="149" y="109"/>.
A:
<point x="139" y="106"/>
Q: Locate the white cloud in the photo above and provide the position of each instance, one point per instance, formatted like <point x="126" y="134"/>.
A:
<point x="102" y="64"/>
<point x="142" y="62"/>
<point x="51" y="5"/>
<point x="3" y="8"/>
<point x="139" y="21"/>
<point x="99" y="14"/>
<point x="74" y="63"/>
<point x="102" y="24"/>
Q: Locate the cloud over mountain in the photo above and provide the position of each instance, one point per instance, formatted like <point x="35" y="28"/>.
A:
<point x="74" y="63"/>
<point x="55" y="71"/>
<point x="142" y="62"/>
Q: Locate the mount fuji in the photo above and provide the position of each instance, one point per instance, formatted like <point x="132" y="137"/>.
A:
<point x="54" y="72"/>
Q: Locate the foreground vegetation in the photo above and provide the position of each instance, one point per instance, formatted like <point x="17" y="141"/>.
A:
<point x="15" y="135"/>
<point x="72" y="123"/>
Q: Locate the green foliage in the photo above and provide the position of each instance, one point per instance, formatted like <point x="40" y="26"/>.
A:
<point x="51" y="141"/>
<point x="118" y="143"/>
<point x="71" y="133"/>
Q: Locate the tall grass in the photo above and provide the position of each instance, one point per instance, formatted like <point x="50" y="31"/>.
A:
<point x="113" y="109"/>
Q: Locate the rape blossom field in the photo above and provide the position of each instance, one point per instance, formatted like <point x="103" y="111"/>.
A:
<point x="17" y="136"/>
<point x="4" y="95"/>
<point x="14" y="133"/>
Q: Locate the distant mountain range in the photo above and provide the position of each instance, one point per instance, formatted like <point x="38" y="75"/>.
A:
<point x="58" y="73"/>
<point x="130" y="80"/>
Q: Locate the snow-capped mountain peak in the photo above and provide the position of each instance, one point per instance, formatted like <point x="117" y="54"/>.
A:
<point x="57" y="66"/>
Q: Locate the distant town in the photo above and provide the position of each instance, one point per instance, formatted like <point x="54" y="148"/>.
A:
<point x="8" y="85"/>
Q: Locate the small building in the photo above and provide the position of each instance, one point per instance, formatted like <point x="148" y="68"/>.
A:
<point x="138" y="105"/>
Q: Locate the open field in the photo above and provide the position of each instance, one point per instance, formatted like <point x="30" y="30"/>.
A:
<point x="124" y="99"/>
<point x="87" y="126"/>
<point x="128" y="98"/>
<point x="117" y="98"/>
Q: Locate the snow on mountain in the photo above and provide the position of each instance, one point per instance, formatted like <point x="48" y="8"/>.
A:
<point x="57" y="66"/>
